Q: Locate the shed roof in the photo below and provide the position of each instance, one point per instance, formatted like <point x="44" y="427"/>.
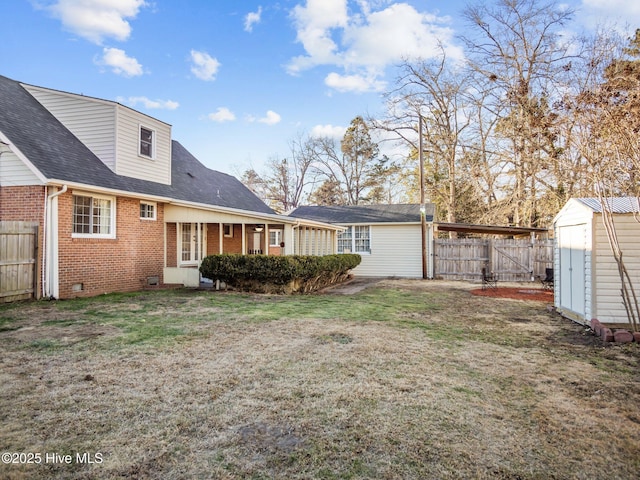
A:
<point x="615" y="204"/>
<point x="352" y="214"/>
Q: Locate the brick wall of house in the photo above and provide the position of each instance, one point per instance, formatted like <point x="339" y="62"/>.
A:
<point x="26" y="204"/>
<point x="234" y="244"/>
<point x="110" y="265"/>
<point x="213" y="238"/>
<point x="172" y="245"/>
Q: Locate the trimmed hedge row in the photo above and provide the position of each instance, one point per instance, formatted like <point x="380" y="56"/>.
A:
<point x="279" y="274"/>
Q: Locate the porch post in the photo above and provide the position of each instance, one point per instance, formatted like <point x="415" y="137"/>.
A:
<point x="221" y="238"/>
<point x="265" y="236"/>
<point x="244" y="239"/>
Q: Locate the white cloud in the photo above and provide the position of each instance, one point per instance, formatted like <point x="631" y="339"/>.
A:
<point x="120" y="63"/>
<point x="397" y="32"/>
<point x="328" y="131"/>
<point x="354" y="83"/>
<point x="622" y="7"/>
<point x="271" y="118"/>
<point x="251" y="19"/>
<point x="96" y="20"/>
<point x="222" y="114"/>
<point x="149" y="104"/>
<point x="204" y="66"/>
<point x="314" y="24"/>
<point x="625" y="13"/>
<point x="364" y="42"/>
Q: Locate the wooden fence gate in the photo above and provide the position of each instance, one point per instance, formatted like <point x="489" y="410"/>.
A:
<point x="512" y="260"/>
<point x="18" y="254"/>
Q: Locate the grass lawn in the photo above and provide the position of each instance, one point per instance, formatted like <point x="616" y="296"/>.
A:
<point x="404" y="380"/>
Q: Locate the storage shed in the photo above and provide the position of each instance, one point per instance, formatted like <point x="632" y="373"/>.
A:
<point x="587" y="284"/>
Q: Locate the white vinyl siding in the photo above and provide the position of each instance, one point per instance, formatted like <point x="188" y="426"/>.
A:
<point x="396" y="251"/>
<point x="93" y="121"/>
<point x="130" y="162"/>
<point x="606" y="280"/>
<point x="112" y="132"/>
<point x="14" y="173"/>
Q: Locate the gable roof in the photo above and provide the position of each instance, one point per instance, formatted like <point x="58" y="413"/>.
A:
<point x="615" y="204"/>
<point x="60" y="157"/>
<point x="352" y="214"/>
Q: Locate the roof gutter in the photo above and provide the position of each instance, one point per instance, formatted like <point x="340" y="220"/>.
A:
<point x="202" y="206"/>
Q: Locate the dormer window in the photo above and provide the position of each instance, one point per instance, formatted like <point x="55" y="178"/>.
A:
<point x="147" y="142"/>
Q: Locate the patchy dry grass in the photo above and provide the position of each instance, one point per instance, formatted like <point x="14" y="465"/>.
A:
<point x="407" y="379"/>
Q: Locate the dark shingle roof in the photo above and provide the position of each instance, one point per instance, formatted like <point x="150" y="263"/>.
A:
<point x="350" y="214"/>
<point x="194" y="182"/>
<point x="59" y="155"/>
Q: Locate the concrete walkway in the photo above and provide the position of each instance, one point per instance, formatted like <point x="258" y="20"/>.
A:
<point x="354" y="285"/>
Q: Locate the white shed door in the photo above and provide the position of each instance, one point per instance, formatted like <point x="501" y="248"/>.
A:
<point x="572" y="242"/>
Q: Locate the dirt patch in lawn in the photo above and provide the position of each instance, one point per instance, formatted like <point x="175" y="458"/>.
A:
<point x="518" y="293"/>
<point x="35" y="325"/>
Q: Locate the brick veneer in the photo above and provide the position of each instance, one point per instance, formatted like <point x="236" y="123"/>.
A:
<point x="26" y="204"/>
<point x="234" y="244"/>
<point x="110" y="265"/>
<point x="213" y="238"/>
<point x="172" y="245"/>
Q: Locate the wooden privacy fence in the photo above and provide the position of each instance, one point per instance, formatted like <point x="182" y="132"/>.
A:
<point x="512" y="260"/>
<point x="18" y="253"/>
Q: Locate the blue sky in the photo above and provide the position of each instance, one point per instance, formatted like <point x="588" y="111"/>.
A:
<point x="238" y="80"/>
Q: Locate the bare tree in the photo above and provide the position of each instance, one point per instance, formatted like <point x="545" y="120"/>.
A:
<point x="438" y="91"/>
<point x="355" y="166"/>
<point x="608" y="111"/>
<point x="285" y="181"/>
<point x="515" y="45"/>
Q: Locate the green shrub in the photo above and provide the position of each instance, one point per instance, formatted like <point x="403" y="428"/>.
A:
<point x="269" y="273"/>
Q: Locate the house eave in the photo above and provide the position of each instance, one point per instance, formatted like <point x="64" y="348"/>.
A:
<point x="265" y="217"/>
<point x="23" y="158"/>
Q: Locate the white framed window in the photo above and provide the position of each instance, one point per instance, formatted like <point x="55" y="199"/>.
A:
<point x="147" y="142"/>
<point x="227" y="228"/>
<point x="192" y="238"/>
<point x="355" y="239"/>
<point x="275" y="238"/>
<point x="362" y="239"/>
<point x="94" y="216"/>
<point x="345" y="241"/>
<point x="147" y="211"/>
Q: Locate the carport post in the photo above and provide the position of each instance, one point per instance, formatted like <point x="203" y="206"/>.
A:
<point x="423" y="207"/>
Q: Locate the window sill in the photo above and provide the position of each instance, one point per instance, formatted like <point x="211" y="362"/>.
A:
<point x="93" y="236"/>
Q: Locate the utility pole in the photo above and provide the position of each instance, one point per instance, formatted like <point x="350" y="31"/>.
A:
<point x="423" y="206"/>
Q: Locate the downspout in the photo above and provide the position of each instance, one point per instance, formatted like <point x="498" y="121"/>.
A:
<point x="51" y="235"/>
<point x="44" y="241"/>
